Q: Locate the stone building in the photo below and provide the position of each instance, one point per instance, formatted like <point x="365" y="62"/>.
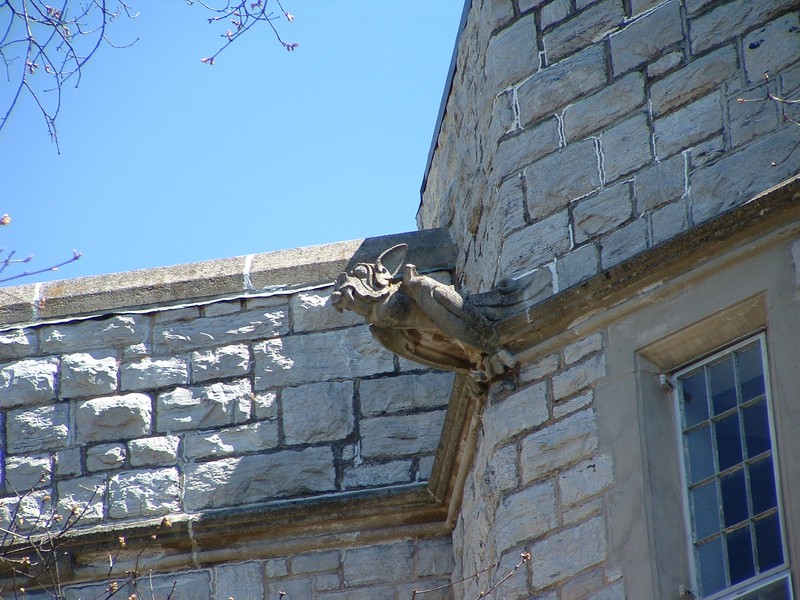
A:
<point x="637" y="442"/>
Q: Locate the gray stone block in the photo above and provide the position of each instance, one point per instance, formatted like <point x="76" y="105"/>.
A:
<point x="750" y="120"/>
<point x="535" y="245"/>
<point x="203" y="407"/>
<point x="728" y="20"/>
<point x="29" y="381"/>
<point x="626" y="147"/>
<point x="664" y="65"/>
<point x="584" y="29"/>
<point x="255" y="478"/>
<point x="231" y="441"/>
<point x="144" y="493"/>
<point x="105" y="457"/>
<point x="557" y="85"/>
<point x="583" y="348"/>
<point x="525" y="147"/>
<point x="312" y="311"/>
<point x="522" y="410"/>
<point x="696" y="79"/>
<point x="37" y="429"/>
<point x="88" y="374"/>
<point x="23" y="473"/>
<point x="151" y="373"/>
<point x="585" y="544"/>
<point x="512" y="54"/>
<point x="770" y="48"/>
<point x="553" y="12"/>
<point x="623" y="243"/>
<point x="227" y="361"/>
<point x="17" y="343"/>
<point x="602" y="213"/>
<point x="525" y="515"/>
<point x="154" y="451"/>
<point x="318" y="412"/>
<point x="379" y="563"/>
<point x="406" y="392"/>
<point x="242" y="580"/>
<point x="114" y="332"/>
<point x="646" y="38"/>
<point x="379" y="474"/>
<point x="669" y="221"/>
<point x="586" y="479"/>
<point x="577" y="378"/>
<point x="404" y="435"/>
<point x="82" y="499"/>
<point x="688" y="126"/>
<point x="299" y="359"/>
<point x="603" y="108"/>
<point x="662" y="183"/>
<point x="113" y="418"/>
<point x="577" y="266"/>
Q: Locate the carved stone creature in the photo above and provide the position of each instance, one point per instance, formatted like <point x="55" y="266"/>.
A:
<point x="420" y="318"/>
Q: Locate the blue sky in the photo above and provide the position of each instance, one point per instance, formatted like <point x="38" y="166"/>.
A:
<point x="165" y="160"/>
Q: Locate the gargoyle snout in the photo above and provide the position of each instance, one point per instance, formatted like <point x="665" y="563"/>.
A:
<point x="342" y="298"/>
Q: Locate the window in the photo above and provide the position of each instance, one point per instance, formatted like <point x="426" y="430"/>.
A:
<point x="731" y="482"/>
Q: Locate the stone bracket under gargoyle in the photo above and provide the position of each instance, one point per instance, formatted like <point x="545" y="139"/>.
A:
<point x="429" y="322"/>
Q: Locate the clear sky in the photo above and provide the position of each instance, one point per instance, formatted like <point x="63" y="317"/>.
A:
<point x="165" y="160"/>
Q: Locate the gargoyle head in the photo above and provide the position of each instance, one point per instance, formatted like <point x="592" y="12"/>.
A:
<point x="366" y="284"/>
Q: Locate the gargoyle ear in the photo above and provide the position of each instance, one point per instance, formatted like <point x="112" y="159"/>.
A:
<point x="392" y="259"/>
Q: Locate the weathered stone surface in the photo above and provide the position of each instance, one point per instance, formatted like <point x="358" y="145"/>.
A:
<point x="113" y="418"/>
<point x="25" y="514"/>
<point x="406" y="392"/>
<point x="379" y="563"/>
<point x="23" y="473"/>
<point x="525" y="147"/>
<point x="266" y="405"/>
<point x="204" y="406"/>
<point x="689" y="125"/>
<point x="669" y="221"/>
<point x="562" y="408"/>
<point x="242" y="580"/>
<point x="370" y="475"/>
<point x="508" y="212"/>
<point x="535" y="245"/>
<point x="30" y="381"/>
<point x="553" y="12"/>
<point x="255" y="478"/>
<point x="144" y="493"/>
<point x="694" y="80"/>
<point x="750" y="120"/>
<point x="243" y="439"/>
<point x="602" y="213"/>
<point x="569" y="552"/>
<point x="626" y="147"/>
<point x="313" y="357"/>
<point x="646" y="38"/>
<point x="312" y="311"/>
<point x="539" y="369"/>
<point x="105" y="457"/>
<point x="623" y="243"/>
<point x="728" y="20"/>
<point x="664" y="65"/>
<point x="586" y="28"/>
<point x="659" y="184"/>
<point x="154" y="451"/>
<point x="524" y="409"/>
<point x="17" y="343"/>
<point x="217" y="309"/>
<point x="578" y="377"/>
<point x="606" y="106"/>
<point x="226" y="329"/>
<point x="772" y="47"/>
<point x="512" y="54"/>
<point x="549" y="191"/>
<point x="88" y="374"/>
<point x="401" y="435"/>
<point x="586" y="479"/>
<point x="113" y="332"/>
<point x="525" y="515"/>
<point x="228" y="361"/>
<point x="37" y="429"/>
<point x="82" y="496"/>
<point x="67" y="462"/>
<point x="577" y="266"/>
<point x="500" y="475"/>
<point x="583" y="348"/>
<point x="561" y="83"/>
<point x="150" y="373"/>
<point x="566" y="441"/>
<point x="318" y="412"/>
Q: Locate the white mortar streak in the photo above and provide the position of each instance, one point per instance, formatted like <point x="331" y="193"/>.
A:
<point x="554" y="271"/>
<point x="562" y="139"/>
<point x="248" y="263"/>
<point x="600" y="169"/>
<point x="193" y="542"/>
<point x="37" y="298"/>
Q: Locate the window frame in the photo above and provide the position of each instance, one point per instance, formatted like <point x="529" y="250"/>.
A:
<point x="759" y="580"/>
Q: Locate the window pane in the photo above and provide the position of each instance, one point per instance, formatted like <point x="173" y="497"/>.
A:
<point x="701" y="458"/>
<point x="740" y="555"/>
<point x="695" y="399"/>
<point x="762" y="486"/>
<point x="712" y="566"/>
<point x="734" y="498"/>
<point x="723" y="385"/>
<point x="751" y="376"/>
<point x="756" y="429"/>
<point x="777" y="590"/>
<point x="768" y="542"/>
<point x="706" y="510"/>
<point x="729" y="444"/>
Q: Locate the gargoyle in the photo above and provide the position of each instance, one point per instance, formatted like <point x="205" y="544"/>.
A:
<point x="420" y="318"/>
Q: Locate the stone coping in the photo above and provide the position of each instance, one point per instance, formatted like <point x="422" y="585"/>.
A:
<point x="272" y="272"/>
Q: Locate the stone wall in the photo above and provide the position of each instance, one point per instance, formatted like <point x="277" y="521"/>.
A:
<point x="577" y="134"/>
<point x="202" y="408"/>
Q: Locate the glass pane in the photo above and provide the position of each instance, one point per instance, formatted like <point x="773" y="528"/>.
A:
<point x="740" y="555"/>
<point x="756" y="429"/>
<point x="777" y="590"/>
<point x="701" y="458"/>
<point x="723" y="385"/>
<point x="695" y="399"/>
<point x="729" y="444"/>
<point x="706" y="510"/>
<point x="734" y="498"/>
<point x="712" y="566"/>
<point x="751" y="376"/>
<point x="762" y="486"/>
<point x="768" y="542"/>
